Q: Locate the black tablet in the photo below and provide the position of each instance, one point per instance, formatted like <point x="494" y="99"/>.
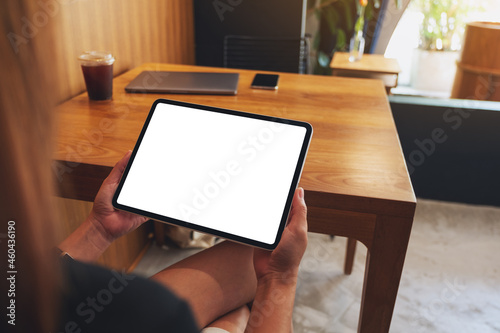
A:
<point x="223" y="172"/>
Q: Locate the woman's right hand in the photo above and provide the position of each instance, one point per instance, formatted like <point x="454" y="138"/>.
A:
<point x="283" y="262"/>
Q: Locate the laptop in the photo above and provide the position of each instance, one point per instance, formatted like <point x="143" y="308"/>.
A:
<point x="184" y="83"/>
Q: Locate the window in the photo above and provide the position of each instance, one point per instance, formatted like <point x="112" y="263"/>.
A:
<point x="430" y="69"/>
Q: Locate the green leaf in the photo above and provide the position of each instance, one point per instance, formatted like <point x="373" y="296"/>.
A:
<point x="348" y="15"/>
<point x="341" y="39"/>
<point x="360" y="24"/>
<point x="369" y="12"/>
<point x="332" y="18"/>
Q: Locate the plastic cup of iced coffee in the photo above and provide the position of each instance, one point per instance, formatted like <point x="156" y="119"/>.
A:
<point x="97" y="68"/>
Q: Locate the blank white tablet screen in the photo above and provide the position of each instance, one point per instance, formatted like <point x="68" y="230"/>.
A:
<point x="216" y="170"/>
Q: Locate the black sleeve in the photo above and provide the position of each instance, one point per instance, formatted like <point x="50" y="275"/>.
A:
<point x="95" y="300"/>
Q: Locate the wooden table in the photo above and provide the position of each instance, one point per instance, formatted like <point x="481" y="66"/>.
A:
<point x="371" y="66"/>
<point x="355" y="178"/>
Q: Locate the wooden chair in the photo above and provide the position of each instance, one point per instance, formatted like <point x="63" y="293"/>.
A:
<point x="349" y="255"/>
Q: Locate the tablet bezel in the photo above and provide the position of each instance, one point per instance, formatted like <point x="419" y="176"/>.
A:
<point x="218" y="233"/>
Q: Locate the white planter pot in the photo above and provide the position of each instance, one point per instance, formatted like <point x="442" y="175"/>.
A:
<point x="433" y="70"/>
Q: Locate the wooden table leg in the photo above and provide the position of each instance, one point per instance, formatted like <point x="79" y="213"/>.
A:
<point x="384" y="265"/>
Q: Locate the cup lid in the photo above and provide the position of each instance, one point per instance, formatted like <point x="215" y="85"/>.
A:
<point x="96" y="58"/>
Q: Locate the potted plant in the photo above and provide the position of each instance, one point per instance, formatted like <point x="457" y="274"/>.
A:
<point x="442" y="24"/>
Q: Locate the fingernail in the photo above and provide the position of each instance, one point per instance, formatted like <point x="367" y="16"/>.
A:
<point x="301" y="193"/>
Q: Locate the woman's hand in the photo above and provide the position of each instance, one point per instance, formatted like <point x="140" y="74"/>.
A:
<point x="104" y="224"/>
<point x="113" y="223"/>
<point x="277" y="273"/>
<point x="283" y="262"/>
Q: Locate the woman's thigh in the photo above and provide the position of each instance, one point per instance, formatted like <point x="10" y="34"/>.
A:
<point x="215" y="281"/>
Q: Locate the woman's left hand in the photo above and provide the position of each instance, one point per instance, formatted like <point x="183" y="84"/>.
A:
<point x="104" y="224"/>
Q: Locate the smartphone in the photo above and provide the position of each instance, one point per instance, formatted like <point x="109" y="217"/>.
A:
<point x="265" y="81"/>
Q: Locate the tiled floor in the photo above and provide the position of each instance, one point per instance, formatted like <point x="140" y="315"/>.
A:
<point x="450" y="283"/>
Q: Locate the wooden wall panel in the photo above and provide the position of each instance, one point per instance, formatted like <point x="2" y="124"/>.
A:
<point x="135" y="31"/>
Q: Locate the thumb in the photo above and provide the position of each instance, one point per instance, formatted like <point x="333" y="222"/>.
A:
<point x="298" y="215"/>
<point x="118" y="169"/>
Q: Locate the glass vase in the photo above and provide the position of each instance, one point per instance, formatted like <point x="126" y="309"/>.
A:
<point x="357" y="47"/>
